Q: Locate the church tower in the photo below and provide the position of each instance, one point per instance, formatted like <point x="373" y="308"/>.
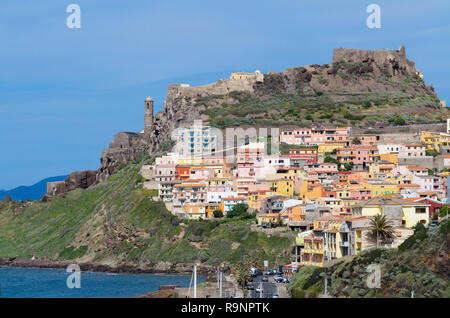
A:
<point x="148" y="119"/>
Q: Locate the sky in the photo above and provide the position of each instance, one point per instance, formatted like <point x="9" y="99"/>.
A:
<point x="64" y="93"/>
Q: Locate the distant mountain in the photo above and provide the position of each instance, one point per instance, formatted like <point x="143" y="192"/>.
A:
<point x="34" y="192"/>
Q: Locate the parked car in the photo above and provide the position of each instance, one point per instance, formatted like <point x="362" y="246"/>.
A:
<point x="254" y="272"/>
<point x="250" y="287"/>
<point x="265" y="278"/>
<point x="275" y="296"/>
<point x="259" y="290"/>
<point x="278" y="279"/>
<point x="286" y="280"/>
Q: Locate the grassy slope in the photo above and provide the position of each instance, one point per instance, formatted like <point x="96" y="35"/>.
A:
<point x="114" y="222"/>
<point x="421" y="265"/>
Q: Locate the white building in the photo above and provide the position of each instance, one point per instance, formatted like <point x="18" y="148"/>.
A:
<point x="384" y="149"/>
<point x="216" y="197"/>
<point x="196" y="141"/>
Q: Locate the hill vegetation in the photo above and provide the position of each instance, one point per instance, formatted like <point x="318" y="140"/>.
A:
<point x="366" y="95"/>
<point x="114" y="222"/>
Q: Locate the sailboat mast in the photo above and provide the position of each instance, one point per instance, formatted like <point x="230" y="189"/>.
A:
<point x="195" y="281"/>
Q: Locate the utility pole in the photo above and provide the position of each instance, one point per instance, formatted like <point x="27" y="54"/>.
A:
<point x="326" y="286"/>
<point x="220" y="282"/>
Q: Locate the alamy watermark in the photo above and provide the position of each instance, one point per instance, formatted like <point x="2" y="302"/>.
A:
<point x="374" y="278"/>
<point x="74" y="19"/>
<point x="74" y="279"/>
<point x="374" y="19"/>
<point x="199" y="141"/>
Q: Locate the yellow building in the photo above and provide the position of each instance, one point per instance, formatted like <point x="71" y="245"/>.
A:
<point x="311" y="190"/>
<point x="379" y="188"/>
<point x="358" y="240"/>
<point x="242" y="75"/>
<point x="255" y="199"/>
<point x="390" y="157"/>
<point x="282" y="187"/>
<point x="269" y="219"/>
<point x="210" y="208"/>
<point x="313" y="252"/>
<point x="409" y="212"/>
<point x="328" y="148"/>
<point x="194" y="211"/>
<point x="381" y="166"/>
<point x="434" y="140"/>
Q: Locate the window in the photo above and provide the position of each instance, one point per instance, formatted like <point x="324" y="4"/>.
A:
<point x="421" y="210"/>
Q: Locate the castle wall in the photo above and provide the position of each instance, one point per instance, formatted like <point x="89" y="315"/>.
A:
<point x="378" y="56"/>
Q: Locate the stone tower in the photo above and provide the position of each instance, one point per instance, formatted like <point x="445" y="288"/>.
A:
<point x="148" y="119"/>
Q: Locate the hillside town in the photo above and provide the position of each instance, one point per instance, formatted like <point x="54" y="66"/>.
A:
<point x="325" y="185"/>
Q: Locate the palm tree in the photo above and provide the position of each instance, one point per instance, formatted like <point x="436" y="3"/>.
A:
<point x="380" y="227"/>
<point x="241" y="271"/>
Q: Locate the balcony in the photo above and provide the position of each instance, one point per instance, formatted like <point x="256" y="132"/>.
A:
<point x="358" y="240"/>
<point x="343" y="244"/>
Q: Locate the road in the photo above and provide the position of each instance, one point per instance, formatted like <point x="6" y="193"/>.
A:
<point x="269" y="288"/>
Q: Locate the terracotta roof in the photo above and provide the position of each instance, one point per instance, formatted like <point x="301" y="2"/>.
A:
<point x="417" y="168"/>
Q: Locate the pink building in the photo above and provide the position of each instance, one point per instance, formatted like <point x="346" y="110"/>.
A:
<point x="251" y="170"/>
<point x="307" y="155"/>
<point x="201" y="173"/>
<point x="315" y="136"/>
<point x="368" y="140"/>
<point x="251" y="153"/>
<point x="358" y="154"/>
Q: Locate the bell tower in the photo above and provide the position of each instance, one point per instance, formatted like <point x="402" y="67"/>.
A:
<point x="148" y="118"/>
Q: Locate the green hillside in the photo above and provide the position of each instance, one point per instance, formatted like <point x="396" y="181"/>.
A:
<point x="114" y="222"/>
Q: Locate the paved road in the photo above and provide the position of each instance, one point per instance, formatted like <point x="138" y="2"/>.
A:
<point x="269" y="288"/>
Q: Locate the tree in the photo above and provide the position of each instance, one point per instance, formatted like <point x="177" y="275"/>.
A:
<point x="237" y="210"/>
<point x="444" y="211"/>
<point x="367" y="104"/>
<point x="329" y="159"/>
<point x="218" y="214"/>
<point x="241" y="271"/>
<point x="381" y="228"/>
<point x="432" y="152"/>
<point x="397" y="120"/>
<point x="356" y="141"/>
<point x="348" y="166"/>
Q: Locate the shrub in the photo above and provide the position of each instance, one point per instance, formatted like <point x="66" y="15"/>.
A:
<point x="218" y="214"/>
<point x="237" y="210"/>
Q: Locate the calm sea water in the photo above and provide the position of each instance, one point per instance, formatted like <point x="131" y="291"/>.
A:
<point x="51" y="283"/>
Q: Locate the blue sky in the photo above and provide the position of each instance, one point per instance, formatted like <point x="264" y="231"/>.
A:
<point x="64" y="93"/>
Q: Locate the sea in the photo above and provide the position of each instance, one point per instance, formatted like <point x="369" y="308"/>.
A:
<point x="53" y="283"/>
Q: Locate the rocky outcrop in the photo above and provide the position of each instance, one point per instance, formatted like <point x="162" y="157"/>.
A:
<point x="126" y="147"/>
<point x="83" y="180"/>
